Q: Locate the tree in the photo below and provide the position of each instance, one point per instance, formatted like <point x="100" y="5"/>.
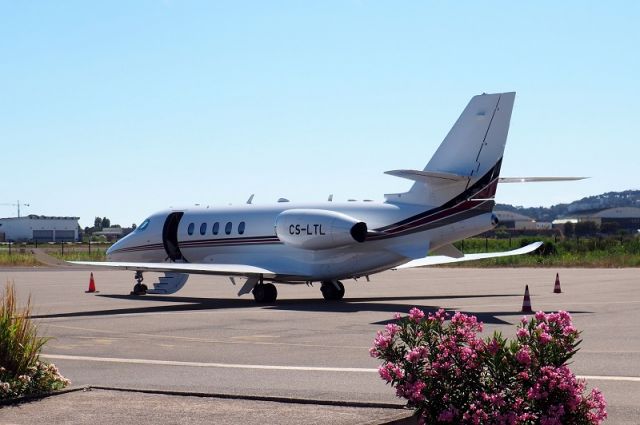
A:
<point x="569" y="229"/>
<point x="106" y="222"/>
<point x="586" y="228"/>
<point x="97" y="223"/>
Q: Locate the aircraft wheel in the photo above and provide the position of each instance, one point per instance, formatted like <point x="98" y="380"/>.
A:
<point x="271" y="293"/>
<point x="139" y="289"/>
<point x="330" y="292"/>
<point x="265" y="293"/>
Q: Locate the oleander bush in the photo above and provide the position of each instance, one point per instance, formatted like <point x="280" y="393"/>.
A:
<point x="21" y="370"/>
<point x="450" y="375"/>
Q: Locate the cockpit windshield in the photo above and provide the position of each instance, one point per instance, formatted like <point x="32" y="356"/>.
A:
<point x="143" y="226"/>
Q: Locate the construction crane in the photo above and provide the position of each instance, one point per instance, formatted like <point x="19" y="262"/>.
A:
<point x="17" y="204"/>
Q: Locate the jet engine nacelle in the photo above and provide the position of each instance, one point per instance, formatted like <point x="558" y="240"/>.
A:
<point x="319" y="229"/>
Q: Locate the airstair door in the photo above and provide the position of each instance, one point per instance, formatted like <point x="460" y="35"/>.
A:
<point x="170" y="236"/>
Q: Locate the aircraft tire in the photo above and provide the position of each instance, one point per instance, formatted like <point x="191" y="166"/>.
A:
<point x="258" y="293"/>
<point x="329" y="291"/>
<point x="341" y="291"/>
<point x="271" y="293"/>
<point x="265" y="293"/>
<point x="139" y="289"/>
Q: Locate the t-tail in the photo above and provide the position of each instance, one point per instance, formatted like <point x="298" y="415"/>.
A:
<point x="466" y="166"/>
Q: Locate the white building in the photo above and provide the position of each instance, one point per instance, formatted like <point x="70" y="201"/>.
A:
<point x="612" y="219"/>
<point x="39" y="228"/>
<point x="515" y="221"/>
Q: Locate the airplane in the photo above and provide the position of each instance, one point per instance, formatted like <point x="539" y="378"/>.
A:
<point x="451" y="199"/>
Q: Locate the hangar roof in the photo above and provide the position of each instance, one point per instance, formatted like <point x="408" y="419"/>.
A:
<point x="622" y="212"/>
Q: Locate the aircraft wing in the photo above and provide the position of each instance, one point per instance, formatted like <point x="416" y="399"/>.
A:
<point x="538" y="179"/>
<point x="443" y="259"/>
<point x="212" y="269"/>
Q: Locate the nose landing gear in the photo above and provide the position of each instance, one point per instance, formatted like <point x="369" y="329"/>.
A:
<point x="139" y="288"/>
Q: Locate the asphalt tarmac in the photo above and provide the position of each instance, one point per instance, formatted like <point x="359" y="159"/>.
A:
<point x="206" y="340"/>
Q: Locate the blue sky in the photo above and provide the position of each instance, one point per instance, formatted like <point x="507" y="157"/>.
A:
<point x="119" y="109"/>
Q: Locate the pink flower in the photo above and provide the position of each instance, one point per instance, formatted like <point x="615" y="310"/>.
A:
<point x="446" y="364"/>
<point x="544" y="338"/>
<point x="392" y="329"/>
<point x="390" y="371"/>
<point x="493" y="346"/>
<point x="385" y="374"/>
<point x="382" y="341"/>
<point x="440" y="315"/>
<point x="412" y="391"/>
<point x="523" y="356"/>
<point x="447" y="415"/>
<point x="416" y="354"/>
<point x="416" y="314"/>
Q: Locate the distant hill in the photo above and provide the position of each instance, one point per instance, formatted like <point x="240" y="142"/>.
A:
<point x="627" y="198"/>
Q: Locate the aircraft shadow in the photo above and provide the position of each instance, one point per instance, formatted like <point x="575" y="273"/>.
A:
<point x="348" y="305"/>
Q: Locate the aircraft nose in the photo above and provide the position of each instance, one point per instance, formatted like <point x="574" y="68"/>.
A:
<point x="112" y="249"/>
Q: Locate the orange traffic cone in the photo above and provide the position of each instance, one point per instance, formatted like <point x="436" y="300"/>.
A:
<point x="556" y="287"/>
<point x="92" y="284"/>
<point x="526" y="302"/>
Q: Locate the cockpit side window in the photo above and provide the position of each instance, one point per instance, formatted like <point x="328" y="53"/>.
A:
<point x="143" y="226"/>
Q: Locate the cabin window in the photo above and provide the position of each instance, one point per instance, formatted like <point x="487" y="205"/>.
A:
<point x="215" y="228"/>
<point x="227" y="228"/>
<point x="190" y="228"/>
<point x="203" y="229"/>
<point x="241" y="228"/>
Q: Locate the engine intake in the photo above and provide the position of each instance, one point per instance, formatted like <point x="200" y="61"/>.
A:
<point x="319" y="229"/>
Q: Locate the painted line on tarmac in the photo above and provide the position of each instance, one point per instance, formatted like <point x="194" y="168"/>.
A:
<point x="273" y="367"/>
<point x="205" y="340"/>
<point x="212" y="365"/>
<point x="566" y="305"/>
<point x="611" y="378"/>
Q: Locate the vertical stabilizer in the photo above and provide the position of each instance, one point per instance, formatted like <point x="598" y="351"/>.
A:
<point x="472" y="151"/>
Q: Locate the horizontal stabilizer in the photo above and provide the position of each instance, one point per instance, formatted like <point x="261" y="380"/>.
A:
<point x="443" y="259"/>
<point x="538" y="179"/>
<point x="427" y="176"/>
<point x="212" y="269"/>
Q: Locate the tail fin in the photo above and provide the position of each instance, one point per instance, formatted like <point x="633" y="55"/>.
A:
<point x="468" y="157"/>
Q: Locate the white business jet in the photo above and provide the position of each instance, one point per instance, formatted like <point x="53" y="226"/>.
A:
<point x="451" y="199"/>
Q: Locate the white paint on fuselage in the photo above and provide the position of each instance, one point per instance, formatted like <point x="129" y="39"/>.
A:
<point x="293" y="264"/>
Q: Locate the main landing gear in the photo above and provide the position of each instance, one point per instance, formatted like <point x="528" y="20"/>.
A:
<point x="332" y="290"/>
<point x="139" y="288"/>
<point x="264" y="293"/>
